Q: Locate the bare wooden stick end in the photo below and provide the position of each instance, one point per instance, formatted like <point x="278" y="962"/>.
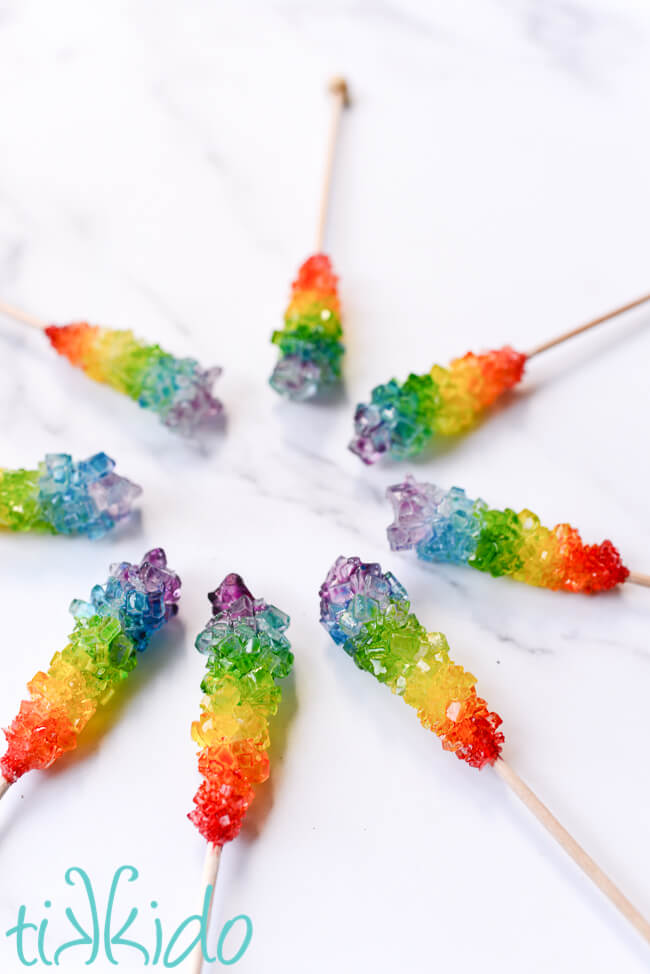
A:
<point x="339" y="86"/>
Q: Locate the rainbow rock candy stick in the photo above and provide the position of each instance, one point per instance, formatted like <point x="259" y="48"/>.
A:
<point x="367" y="612"/>
<point x="110" y="630"/>
<point x="178" y="390"/>
<point x="310" y="341"/>
<point x="64" y="497"/>
<point x="447" y="526"/>
<point x="401" y="418"/>
<point x="247" y="652"/>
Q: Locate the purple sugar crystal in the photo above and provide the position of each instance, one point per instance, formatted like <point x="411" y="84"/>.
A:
<point x="414" y="506"/>
<point x="232" y="597"/>
<point x="143" y="597"/>
<point x="296" y="378"/>
<point x="193" y="403"/>
<point x="351" y="589"/>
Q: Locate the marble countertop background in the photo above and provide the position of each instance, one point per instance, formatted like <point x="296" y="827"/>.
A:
<point x="160" y="171"/>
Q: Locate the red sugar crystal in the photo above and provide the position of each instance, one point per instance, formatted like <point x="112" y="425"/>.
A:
<point x="316" y="274"/>
<point x="36" y="738"/>
<point x="230" y="771"/>
<point x="472" y="734"/>
<point x="71" y="340"/>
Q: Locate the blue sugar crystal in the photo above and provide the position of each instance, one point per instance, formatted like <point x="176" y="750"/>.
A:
<point x="142" y="597"/>
<point x="441" y="525"/>
<point x="83" y="498"/>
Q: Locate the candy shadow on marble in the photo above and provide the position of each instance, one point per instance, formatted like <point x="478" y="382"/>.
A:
<point x="261" y="808"/>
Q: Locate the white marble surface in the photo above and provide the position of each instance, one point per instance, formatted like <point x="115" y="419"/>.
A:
<point x="159" y="170"/>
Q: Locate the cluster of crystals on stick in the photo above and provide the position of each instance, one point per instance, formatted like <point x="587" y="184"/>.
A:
<point x="247" y="653"/>
<point x="109" y="631"/>
<point x="310" y="342"/>
<point x="401" y="418"/>
<point x="447" y="526"/>
<point x="178" y="390"/>
<point x="64" y="497"/>
<point x="368" y="613"/>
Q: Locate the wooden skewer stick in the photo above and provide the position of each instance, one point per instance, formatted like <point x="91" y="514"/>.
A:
<point x="339" y="89"/>
<point x="209" y="878"/>
<point x="590" y="324"/>
<point x="27" y="319"/>
<point x="4" y="786"/>
<point x="638" y="579"/>
<point x="571" y="847"/>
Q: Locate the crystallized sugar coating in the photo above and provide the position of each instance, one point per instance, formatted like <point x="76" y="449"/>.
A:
<point x="447" y="526"/>
<point x="64" y="497"/>
<point x="247" y="652"/>
<point x="310" y="341"/>
<point x="401" y="418"/>
<point x="178" y="390"/>
<point x="109" y="631"/>
<point x="368" y="613"/>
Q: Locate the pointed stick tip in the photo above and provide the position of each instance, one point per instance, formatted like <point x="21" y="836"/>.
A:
<point x="339" y="86"/>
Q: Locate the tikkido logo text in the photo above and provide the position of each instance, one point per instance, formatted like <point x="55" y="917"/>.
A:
<point x="106" y="936"/>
